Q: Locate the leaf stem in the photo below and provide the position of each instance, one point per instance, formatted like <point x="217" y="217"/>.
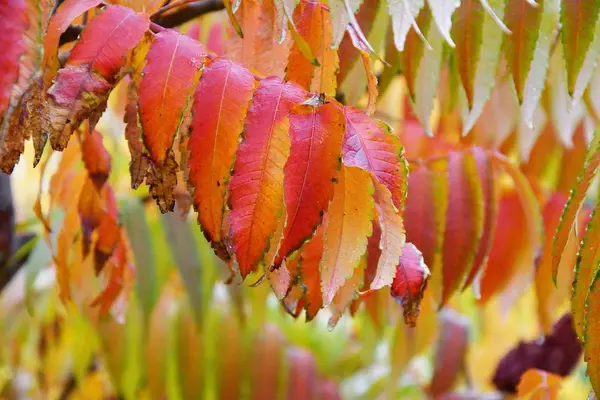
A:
<point x="170" y="6"/>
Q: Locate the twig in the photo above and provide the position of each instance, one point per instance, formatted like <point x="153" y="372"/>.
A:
<point x="170" y="6"/>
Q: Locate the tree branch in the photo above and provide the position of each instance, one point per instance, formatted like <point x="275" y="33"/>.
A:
<point x="168" y="20"/>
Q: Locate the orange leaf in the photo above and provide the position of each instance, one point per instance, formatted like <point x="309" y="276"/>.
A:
<point x="95" y="158"/>
<point x="173" y="65"/>
<point x="316" y="138"/>
<point x="464" y="220"/>
<point x="82" y="87"/>
<point x="536" y="384"/>
<point x="309" y="260"/>
<point x="309" y="20"/>
<point x="490" y="201"/>
<point x="347" y="228"/>
<point x="324" y="80"/>
<point x="257" y="183"/>
<point x="221" y="102"/>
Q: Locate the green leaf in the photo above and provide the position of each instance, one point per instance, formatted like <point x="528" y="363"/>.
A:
<point x="579" y="37"/>
<point x="135" y="223"/>
<point x="184" y="249"/>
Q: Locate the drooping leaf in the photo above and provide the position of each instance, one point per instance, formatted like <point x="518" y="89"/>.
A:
<point x="450" y="352"/>
<point x="325" y="76"/>
<point x="256" y="185"/>
<point x="309" y="19"/>
<point x="370" y="145"/>
<point x="341" y="18"/>
<point x="588" y="258"/>
<point x="65" y="14"/>
<point x="173" y="67"/>
<point x="414" y="49"/>
<point x="82" y="87"/>
<point x="486" y="178"/>
<point x="221" y="101"/>
<point x="14" y="13"/>
<point x="404" y="14"/>
<point x="464" y="220"/>
<point x="476" y="58"/>
<point x="392" y="237"/>
<point x="309" y="260"/>
<point x="138" y="166"/>
<point x="425" y="214"/>
<point x="442" y="11"/>
<point x="347" y="228"/>
<point x="310" y="171"/>
<point x="347" y="293"/>
<point x="578" y="19"/>
<point x="523" y="20"/>
<point x="410" y="282"/>
<point x="95" y="158"/>
<point x="576" y="198"/>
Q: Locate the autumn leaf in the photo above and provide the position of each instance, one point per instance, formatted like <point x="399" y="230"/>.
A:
<point x="309" y="261"/>
<point x="174" y="64"/>
<point x="221" y="102"/>
<point x="256" y="187"/>
<point x="523" y="20"/>
<point x="410" y="282"/>
<point x="442" y="11"/>
<point x="348" y="292"/>
<point x="450" y="352"/>
<point x="95" y="158"/>
<point x="404" y="14"/>
<point x="576" y="198"/>
<point x="309" y="20"/>
<point x="578" y="19"/>
<point x="347" y="226"/>
<point x="464" y="220"/>
<point x="392" y="237"/>
<point x="370" y="145"/>
<point x="81" y="88"/>
<point x="591" y="340"/>
<point x="310" y="171"/>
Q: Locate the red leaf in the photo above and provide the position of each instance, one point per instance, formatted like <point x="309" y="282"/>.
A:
<point x="464" y="220"/>
<point x="174" y="63"/>
<point x="65" y="14"/>
<point x="410" y="282"/>
<point x="82" y="86"/>
<point x="370" y="145"/>
<point x="309" y="261"/>
<point x="13" y="14"/>
<point x="316" y="138"/>
<point x="257" y="183"/>
<point x="221" y="101"/>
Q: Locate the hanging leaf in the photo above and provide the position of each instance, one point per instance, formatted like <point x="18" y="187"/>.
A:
<point x="347" y="226"/>
<point x="392" y="237"/>
<point x="464" y="220"/>
<point x="316" y="137"/>
<point x="340" y="15"/>
<point x="348" y="292"/>
<point x="370" y="145"/>
<point x="523" y="20"/>
<point x="256" y="185"/>
<point x="578" y="19"/>
<point x="410" y="282"/>
<point x="221" y="102"/>
<point x="174" y="65"/>
<point x="442" y="11"/>
<point x="309" y="19"/>
<point x="576" y="198"/>
<point x="404" y="14"/>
